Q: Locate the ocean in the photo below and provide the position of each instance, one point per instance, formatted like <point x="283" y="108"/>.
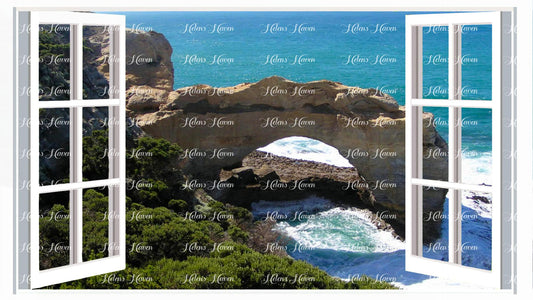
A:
<point x="347" y="245"/>
<point x="364" y="49"/>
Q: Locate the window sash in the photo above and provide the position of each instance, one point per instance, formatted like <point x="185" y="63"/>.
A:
<point x="116" y="181"/>
<point x="500" y="104"/>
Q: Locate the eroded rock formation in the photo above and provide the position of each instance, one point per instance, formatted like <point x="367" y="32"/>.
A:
<point x="365" y="125"/>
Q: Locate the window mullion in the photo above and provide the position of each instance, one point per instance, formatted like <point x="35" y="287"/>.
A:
<point x="453" y="103"/>
<point x="114" y="134"/>
<point x="79" y="103"/>
<point x="419" y="135"/>
<point x="452" y="185"/>
<point x="413" y="138"/>
<point x="76" y="143"/>
<point x="54" y="188"/>
<point x="454" y="143"/>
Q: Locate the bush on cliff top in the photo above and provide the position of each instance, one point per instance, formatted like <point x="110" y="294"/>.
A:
<point x="157" y="237"/>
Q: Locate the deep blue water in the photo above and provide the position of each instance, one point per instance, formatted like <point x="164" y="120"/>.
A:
<point x="365" y="49"/>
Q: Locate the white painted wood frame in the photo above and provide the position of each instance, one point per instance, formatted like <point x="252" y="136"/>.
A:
<point x="116" y="259"/>
<point x="503" y="140"/>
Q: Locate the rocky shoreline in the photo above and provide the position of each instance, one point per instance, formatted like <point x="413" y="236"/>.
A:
<point x="247" y="116"/>
<point x="367" y="125"/>
<point x="264" y="176"/>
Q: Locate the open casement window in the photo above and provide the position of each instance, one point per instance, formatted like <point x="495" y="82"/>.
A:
<point x="458" y="79"/>
<point x="78" y="224"/>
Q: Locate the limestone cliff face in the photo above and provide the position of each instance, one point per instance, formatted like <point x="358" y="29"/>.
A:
<point x="149" y="70"/>
<point x="363" y="124"/>
<point x="148" y="60"/>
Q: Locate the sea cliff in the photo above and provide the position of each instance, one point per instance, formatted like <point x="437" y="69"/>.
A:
<point x="365" y="125"/>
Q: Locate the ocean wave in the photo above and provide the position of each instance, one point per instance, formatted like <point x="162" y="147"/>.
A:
<point x="331" y="237"/>
<point x="299" y="147"/>
<point x="340" y="229"/>
<point x="476" y="166"/>
<point x="478" y="202"/>
<point x="476" y="169"/>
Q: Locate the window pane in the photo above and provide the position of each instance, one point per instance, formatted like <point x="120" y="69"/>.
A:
<point x="435" y="62"/>
<point x="476" y="146"/>
<point x="96" y="143"/>
<point x="435" y="144"/>
<point x="54" y="220"/>
<point x="435" y="223"/>
<point x="476" y="229"/>
<point x="96" y="58"/>
<point x="54" y="62"/>
<point x="96" y="223"/>
<point x="476" y="62"/>
<point x="54" y="146"/>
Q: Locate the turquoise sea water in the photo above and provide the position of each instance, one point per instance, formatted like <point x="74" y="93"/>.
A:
<point x="364" y="49"/>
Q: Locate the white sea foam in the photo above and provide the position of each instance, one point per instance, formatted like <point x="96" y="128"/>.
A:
<point x="483" y="209"/>
<point x="341" y="230"/>
<point x="350" y="232"/>
<point x="299" y="147"/>
<point x="477" y="170"/>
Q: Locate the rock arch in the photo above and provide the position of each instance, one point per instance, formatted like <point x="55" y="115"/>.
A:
<point x="348" y="118"/>
<point x="356" y="121"/>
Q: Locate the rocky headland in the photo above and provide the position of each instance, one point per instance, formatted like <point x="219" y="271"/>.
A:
<point x="365" y="125"/>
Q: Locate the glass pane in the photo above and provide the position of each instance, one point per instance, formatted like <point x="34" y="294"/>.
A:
<point x="96" y="218"/>
<point x="54" y="62"/>
<point x="96" y="143"/>
<point x="54" y="249"/>
<point x="476" y="229"/>
<point x="476" y="146"/>
<point x="54" y="146"/>
<point x="96" y="58"/>
<point x="435" y="62"/>
<point x="476" y="62"/>
<point x="435" y="143"/>
<point x="435" y="223"/>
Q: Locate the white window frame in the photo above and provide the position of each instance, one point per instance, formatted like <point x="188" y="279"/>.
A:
<point x="29" y="138"/>
<point x="12" y="170"/>
<point x="503" y="141"/>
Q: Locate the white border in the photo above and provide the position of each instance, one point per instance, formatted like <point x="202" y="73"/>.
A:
<point x="524" y="124"/>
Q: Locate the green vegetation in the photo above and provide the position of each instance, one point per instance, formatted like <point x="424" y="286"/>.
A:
<point x="240" y="268"/>
<point x="166" y="247"/>
<point x="175" y="240"/>
<point x="54" y="67"/>
<point x="54" y="231"/>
